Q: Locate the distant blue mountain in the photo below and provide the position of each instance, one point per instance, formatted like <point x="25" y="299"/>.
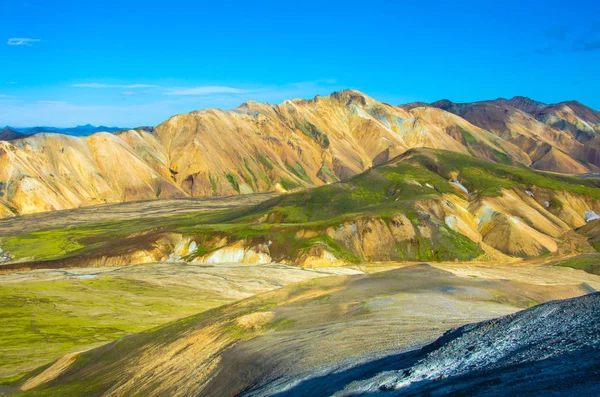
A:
<point x="80" y="130"/>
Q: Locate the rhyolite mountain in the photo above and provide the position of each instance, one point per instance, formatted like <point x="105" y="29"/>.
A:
<point x="299" y="143"/>
<point x="562" y="137"/>
<point x="423" y="205"/>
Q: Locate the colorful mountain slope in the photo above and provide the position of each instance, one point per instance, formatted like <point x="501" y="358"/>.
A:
<point x="260" y="147"/>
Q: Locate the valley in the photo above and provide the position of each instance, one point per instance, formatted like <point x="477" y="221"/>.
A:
<point x="299" y="143"/>
<point x="312" y="246"/>
<point x="125" y="211"/>
<point x="49" y="313"/>
<point x="299" y="199"/>
<point x="334" y="318"/>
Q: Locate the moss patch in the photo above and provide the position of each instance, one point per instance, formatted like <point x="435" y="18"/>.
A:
<point x="588" y="263"/>
<point x="42" y="320"/>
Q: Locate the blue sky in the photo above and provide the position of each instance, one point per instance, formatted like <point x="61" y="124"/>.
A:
<point x="132" y="63"/>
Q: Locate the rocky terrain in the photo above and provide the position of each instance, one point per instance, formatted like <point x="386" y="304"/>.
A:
<point x="551" y="349"/>
<point x="347" y="328"/>
<point x="7" y="134"/>
<point x="49" y="313"/>
<point x="561" y="137"/>
<point x="299" y="143"/>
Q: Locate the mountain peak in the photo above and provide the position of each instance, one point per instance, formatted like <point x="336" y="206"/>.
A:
<point x="7" y="134"/>
<point x="351" y="96"/>
<point x="523" y="103"/>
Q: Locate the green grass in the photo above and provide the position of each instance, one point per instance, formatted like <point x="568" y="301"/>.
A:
<point x="326" y="175"/>
<point x="70" y="241"/>
<point x="42" y="320"/>
<point x="313" y="132"/>
<point x="588" y="263"/>
<point x="213" y="183"/>
<point x="486" y="178"/>
<point x="472" y="143"/>
<point x="381" y="192"/>
<point x="299" y="171"/>
<point x="265" y="161"/>
<point x="555" y="203"/>
<point x="233" y="180"/>
<point x="288" y="184"/>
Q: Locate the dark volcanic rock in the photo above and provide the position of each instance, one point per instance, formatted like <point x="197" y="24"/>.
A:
<point x="7" y="134"/>
<point x="551" y="349"/>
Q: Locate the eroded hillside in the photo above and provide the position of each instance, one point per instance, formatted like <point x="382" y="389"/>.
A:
<point x="260" y="147"/>
<point x="426" y="204"/>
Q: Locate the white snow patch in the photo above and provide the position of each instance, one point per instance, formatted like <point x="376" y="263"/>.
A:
<point x="591" y="216"/>
<point x="460" y="186"/>
<point x="429" y="186"/>
<point x="80" y="276"/>
<point x="547" y="204"/>
<point x="451" y="222"/>
<point x="529" y="193"/>
<point x="85" y="276"/>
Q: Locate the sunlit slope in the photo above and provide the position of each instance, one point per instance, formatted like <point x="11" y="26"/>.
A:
<point x="49" y="313"/>
<point x="551" y="143"/>
<point x="423" y="205"/>
<point x="281" y="334"/>
<point x="254" y="148"/>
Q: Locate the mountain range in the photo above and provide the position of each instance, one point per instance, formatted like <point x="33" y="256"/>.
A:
<point x="259" y="147"/>
<point x="500" y="197"/>
<point x="80" y="130"/>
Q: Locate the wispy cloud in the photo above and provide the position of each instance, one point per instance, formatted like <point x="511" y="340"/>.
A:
<point x="151" y="107"/>
<point x="51" y="102"/>
<point x="122" y="86"/>
<point x="205" y="90"/>
<point x="176" y="91"/>
<point x="320" y="82"/>
<point x="3" y="96"/>
<point x="11" y="82"/>
<point x="22" y="41"/>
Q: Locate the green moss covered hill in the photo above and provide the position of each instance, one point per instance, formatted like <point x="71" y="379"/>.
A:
<point x="406" y="209"/>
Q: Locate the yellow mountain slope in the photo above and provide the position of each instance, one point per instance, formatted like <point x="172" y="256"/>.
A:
<point x="254" y="148"/>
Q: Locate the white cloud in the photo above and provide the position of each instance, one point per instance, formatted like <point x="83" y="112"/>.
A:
<point x="179" y="91"/>
<point x="94" y="85"/>
<point x="316" y="83"/>
<point x="22" y="41"/>
<point x="101" y="85"/>
<point x="51" y="102"/>
<point x="141" y="86"/>
<point x="147" y="108"/>
<point x="205" y="90"/>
